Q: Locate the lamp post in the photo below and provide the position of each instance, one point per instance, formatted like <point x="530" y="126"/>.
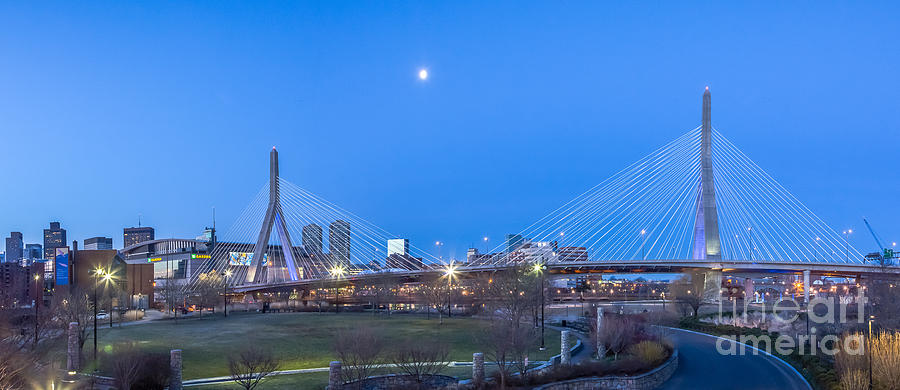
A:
<point x="107" y="278"/>
<point x="539" y="268"/>
<point x="37" y="305"/>
<point x="337" y="272"/>
<point x="98" y="273"/>
<point x="226" y="274"/>
<point x="449" y="272"/>
<point x="869" y="349"/>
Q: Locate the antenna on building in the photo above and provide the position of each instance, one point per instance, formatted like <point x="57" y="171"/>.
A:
<point x="139" y="219"/>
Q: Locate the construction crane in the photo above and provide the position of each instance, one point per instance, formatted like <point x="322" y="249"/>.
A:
<point x="887" y="255"/>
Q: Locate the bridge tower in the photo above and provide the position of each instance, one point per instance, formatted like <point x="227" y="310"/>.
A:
<point x="706" y="224"/>
<point x="274" y="217"/>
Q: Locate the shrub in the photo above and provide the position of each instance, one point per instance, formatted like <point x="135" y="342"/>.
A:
<point x="649" y="352"/>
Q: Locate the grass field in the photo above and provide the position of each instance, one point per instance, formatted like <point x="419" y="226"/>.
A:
<point x="301" y="340"/>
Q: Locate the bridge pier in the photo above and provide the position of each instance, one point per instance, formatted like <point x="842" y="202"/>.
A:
<point x="806" y="287"/>
<point x="712" y="286"/>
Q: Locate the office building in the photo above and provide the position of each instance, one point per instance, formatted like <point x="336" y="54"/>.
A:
<point x="339" y="242"/>
<point x="398" y="246"/>
<point x="54" y="237"/>
<point x="573" y="253"/>
<point x="97" y="243"/>
<point x="513" y="242"/>
<point x="33" y="252"/>
<point x="136" y="235"/>
<point x="312" y="239"/>
<point x="14" y="248"/>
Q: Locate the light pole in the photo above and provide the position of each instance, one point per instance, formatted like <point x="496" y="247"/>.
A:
<point x="438" y="245"/>
<point x="226" y="274"/>
<point x="486" y="246"/>
<point x="847" y="234"/>
<point x="449" y="272"/>
<point x="98" y="273"/>
<point x="337" y="272"/>
<point x="869" y="349"/>
<point x="37" y="305"/>
<point x="106" y="279"/>
<point x="539" y="268"/>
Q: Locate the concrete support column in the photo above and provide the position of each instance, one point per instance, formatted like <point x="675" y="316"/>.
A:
<point x="334" y="376"/>
<point x="564" y="355"/>
<point x="477" y="368"/>
<point x="749" y="289"/>
<point x="175" y="369"/>
<point x="712" y="286"/>
<point x="73" y="352"/>
<point x="806" y="287"/>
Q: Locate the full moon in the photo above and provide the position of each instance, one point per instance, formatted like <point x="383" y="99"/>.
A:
<point x="423" y="74"/>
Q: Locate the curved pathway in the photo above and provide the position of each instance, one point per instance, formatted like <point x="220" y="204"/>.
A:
<point x="700" y="366"/>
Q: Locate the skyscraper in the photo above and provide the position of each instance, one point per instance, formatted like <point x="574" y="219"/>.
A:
<point x="398" y="246"/>
<point x="137" y="235"/>
<point x="339" y="242"/>
<point x="55" y="237"/>
<point x="14" y="248"/>
<point x="312" y="239"/>
<point x="96" y="243"/>
<point x="513" y="242"/>
<point x="33" y="252"/>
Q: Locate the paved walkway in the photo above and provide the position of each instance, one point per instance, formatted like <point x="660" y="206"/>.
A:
<point x="700" y="366"/>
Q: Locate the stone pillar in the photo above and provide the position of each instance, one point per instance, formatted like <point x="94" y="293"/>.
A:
<point x="564" y="355"/>
<point x="806" y="287"/>
<point x="73" y="352"/>
<point x="601" y="349"/>
<point x="712" y="286"/>
<point x="175" y="369"/>
<point x="477" y="368"/>
<point x="334" y="376"/>
<point x="748" y="289"/>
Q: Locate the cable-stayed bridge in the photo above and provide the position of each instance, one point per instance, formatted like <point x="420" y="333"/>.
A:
<point x="697" y="202"/>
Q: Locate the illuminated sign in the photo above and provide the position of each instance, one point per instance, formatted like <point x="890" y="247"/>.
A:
<point x="201" y="256"/>
<point x="243" y="258"/>
<point x="153" y="259"/>
<point x="62" y="266"/>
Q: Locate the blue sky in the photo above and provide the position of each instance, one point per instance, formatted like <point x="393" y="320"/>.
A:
<point x="166" y="109"/>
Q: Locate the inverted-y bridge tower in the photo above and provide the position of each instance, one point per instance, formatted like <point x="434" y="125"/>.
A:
<point x="706" y="244"/>
<point x="274" y="217"/>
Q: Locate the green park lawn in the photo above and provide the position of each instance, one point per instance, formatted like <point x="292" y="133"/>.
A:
<point x="301" y="340"/>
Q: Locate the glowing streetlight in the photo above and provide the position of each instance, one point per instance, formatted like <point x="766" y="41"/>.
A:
<point x="423" y="74"/>
<point x="450" y="271"/>
<point x="226" y="274"/>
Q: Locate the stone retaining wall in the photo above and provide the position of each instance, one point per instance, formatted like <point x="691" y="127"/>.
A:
<point x="388" y="382"/>
<point x="646" y="381"/>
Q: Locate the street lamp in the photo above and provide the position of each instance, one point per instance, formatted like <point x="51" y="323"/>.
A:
<point x="337" y="272"/>
<point x="539" y="268"/>
<point x="226" y="274"/>
<point x="37" y="305"/>
<point x="98" y="273"/>
<point x="486" y="246"/>
<point x="869" y="349"/>
<point x="449" y="272"/>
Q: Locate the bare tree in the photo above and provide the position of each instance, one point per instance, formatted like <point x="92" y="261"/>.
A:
<point x="126" y="366"/>
<point x="16" y="365"/>
<point x="509" y="338"/>
<point x="74" y="306"/>
<point x="360" y="349"/>
<point x="616" y="334"/>
<point x="421" y="359"/>
<point x="688" y="291"/>
<point x="251" y="365"/>
<point x="207" y="289"/>
<point x="434" y="295"/>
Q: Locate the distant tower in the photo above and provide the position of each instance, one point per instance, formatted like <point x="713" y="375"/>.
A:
<point x="274" y="217"/>
<point x="706" y="224"/>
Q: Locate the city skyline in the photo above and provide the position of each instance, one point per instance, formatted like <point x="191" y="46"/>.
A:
<point x="463" y="167"/>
